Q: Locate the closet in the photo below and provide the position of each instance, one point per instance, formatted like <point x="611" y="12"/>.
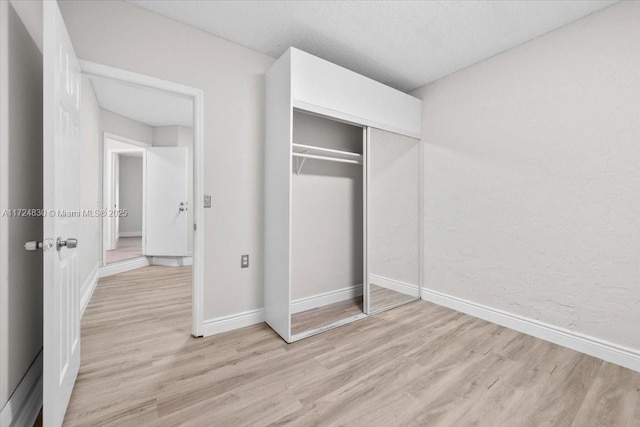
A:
<point x="342" y="196"/>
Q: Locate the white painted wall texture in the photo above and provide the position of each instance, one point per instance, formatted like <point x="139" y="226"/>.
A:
<point x="90" y="237"/>
<point x="326" y="211"/>
<point x="123" y="126"/>
<point x="130" y="193"/>
<point x="532" y="200"/>
<point x="232" y="78"/>
<point x="21" y="337"/>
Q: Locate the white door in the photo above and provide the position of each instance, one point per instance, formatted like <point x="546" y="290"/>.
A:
<point x="61" y="143"/>
<point x="166" y="204"/>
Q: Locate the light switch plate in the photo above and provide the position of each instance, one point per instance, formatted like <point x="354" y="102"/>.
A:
<point x="207" y="200"/>
<point x="244" y="261"/>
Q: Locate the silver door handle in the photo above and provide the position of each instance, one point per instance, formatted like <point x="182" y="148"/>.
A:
<point x="69" y="243"/>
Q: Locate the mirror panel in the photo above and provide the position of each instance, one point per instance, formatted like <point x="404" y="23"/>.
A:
<point x="393" y="214"/>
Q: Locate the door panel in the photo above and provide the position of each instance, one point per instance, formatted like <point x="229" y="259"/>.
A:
<point x="166" y="201"/>
<point x="393" y="223"/>
<point x="61" y="142"/>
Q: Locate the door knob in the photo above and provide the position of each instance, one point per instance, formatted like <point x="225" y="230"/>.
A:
<point x="183" y="207"/>
<point x="69" y="243"/>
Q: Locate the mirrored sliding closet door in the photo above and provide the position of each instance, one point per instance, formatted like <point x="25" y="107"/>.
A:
<point x="393" y="227"/>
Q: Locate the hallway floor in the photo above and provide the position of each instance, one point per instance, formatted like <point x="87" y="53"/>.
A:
<point x="127" y="248"/>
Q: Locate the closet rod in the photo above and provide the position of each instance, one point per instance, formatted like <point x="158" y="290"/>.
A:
<point x="327" y="150"/>
<point x="331" y="159"/>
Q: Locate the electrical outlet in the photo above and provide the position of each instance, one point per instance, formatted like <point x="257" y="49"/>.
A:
<point x="207" y="200"/>
<point x="244" y="261"/>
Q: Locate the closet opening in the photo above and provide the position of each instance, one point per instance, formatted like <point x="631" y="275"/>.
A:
<point x="327" y="220"/>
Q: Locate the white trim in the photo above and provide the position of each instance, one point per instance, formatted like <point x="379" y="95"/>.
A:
<point x="324" y="328"/>
<point x="130" y="234"/>
<point x="126" y="140"/>
<point x="395" y="285"/>
<point x="320" y="300"/>
<point x="610" y="352"/>
<point x="169" y="261"/>
<point x="232" y="322"/>
<point x="90" y="285"/>
<point x="100" y="70"/>
<point x="123" y="266"/>
<point x="351" y="119"/>
<point x="108" y="155"/>
<point x="24" y="405"/>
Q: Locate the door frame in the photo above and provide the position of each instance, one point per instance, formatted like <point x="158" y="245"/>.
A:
<point x="197" y="95"/>
<point x="107" y="187"/>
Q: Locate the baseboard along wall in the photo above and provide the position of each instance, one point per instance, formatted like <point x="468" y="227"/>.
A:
<point x="601" y="349"/>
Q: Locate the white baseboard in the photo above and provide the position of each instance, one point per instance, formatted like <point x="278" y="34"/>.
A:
<point x="233" y="321"/>
<point x="123" y="266"/>
<point x="610" y="352"/>
<point x="24" y="405"/>
<point x="130" y="234"/>
<point x="320" y="300"/>
<point x="171" y="261"/>
<point x="219" y="325"/>
<point x="89" y="286"/>
<point x="394" y="285"/>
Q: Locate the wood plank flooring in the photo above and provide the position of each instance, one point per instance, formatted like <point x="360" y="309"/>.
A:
<point x="127" y="248"/>
<point x="382" y="298"/>
<point x="415" y="365"/>
<point x="322" y="316"/>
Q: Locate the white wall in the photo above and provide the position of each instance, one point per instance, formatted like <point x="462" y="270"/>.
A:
<point x="533" y="179"/>
<point x="131" y="194"/>
<point x="326" y="211"/>
<point x="232" y="78"/>
<point x="180" y="136"/>
<point x="126" y="127"/>
<point x="90" y="238"/>
<point x="21" y="175"/>
<point x="112" y="149"/>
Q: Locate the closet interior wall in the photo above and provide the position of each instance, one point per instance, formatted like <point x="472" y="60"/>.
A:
<point x="326" y="216"/>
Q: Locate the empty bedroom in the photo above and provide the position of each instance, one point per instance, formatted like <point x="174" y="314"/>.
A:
<point x="319" y="213"/>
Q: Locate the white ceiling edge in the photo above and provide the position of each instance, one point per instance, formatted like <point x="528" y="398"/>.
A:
<point x="404" y="44"/>
<point x="149" y="106"/>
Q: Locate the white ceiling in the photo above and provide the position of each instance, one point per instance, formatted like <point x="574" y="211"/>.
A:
<point x="149" y="106"/>
<point x="404" y="44"/>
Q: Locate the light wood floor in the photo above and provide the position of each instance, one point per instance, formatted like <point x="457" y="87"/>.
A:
<point x="127" y="248"/>
<point x="382" y="298"/>
<point x="322" y="316"/>
<point x="418" y="364"/>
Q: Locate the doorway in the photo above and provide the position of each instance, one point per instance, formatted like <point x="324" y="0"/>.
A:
<point x="123" y="195"/>
<point x="172" y="117"/>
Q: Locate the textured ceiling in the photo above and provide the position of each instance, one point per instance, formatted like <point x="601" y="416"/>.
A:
<point x="145" y="105"/>
<point x="404" y="44"/>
